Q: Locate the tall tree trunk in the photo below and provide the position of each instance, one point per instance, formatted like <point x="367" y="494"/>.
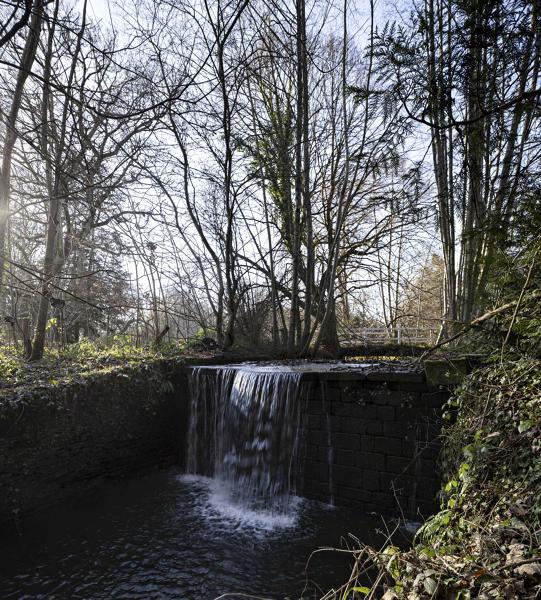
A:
<point x="475" y="210"/>
<point x="306" y="196"/>
<point x="25" y="67"/>
<point x="294" y="318"/>
<point x="437" y="110"/>
<point x="230" y="202"/>
<point x="54" y="253"/>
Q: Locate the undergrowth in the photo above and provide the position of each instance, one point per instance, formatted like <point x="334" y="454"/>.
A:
<point x="74" y="361"/>
<point x="486" y="540"/>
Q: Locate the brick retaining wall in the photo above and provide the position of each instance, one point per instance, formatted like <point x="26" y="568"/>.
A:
<point x="372" y="442"/>
<point x="57" y="440"/>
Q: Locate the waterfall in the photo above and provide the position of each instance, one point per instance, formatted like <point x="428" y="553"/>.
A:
<point x="244" y="431"/>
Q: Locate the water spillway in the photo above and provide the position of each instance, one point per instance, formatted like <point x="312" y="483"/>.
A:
<point x="245" y="431"/>
<point x="362" y="435"/>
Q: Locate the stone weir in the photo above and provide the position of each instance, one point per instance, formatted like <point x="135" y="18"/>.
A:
<point x="361" y="435"/>
<point x="358" y="435"/>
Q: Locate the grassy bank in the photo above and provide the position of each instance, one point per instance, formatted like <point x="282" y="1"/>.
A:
<point x="76" y="362"/>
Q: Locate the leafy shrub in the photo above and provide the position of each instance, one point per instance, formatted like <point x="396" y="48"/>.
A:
<point x="485" y="541"/>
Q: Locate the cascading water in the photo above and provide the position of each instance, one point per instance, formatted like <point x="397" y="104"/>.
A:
<point x="245" y="427"/>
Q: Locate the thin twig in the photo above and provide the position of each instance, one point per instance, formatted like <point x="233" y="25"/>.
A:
<point x="487" y="316"/>
<point x="517" y="307"/>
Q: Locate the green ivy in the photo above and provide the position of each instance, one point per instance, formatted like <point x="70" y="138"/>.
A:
<point x="490" y="517"/>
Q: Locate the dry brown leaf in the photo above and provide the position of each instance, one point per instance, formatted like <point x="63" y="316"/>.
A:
<point x="531" y="570"/>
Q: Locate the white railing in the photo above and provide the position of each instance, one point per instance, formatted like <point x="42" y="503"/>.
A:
<point x="354" y="336"/>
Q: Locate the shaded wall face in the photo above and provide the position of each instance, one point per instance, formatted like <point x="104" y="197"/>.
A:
<point x="374" y="444"/>
<point x="369" y="440"/>
<point x="56" y="441"/>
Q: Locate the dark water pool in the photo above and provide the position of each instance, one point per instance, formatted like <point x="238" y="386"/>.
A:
<point x="163" y="535"/>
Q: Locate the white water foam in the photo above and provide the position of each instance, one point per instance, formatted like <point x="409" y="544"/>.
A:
<point x="411" y="526"/>
<point x="216" y="505"/>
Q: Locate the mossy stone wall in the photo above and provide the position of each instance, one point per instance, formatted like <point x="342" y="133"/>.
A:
<point x="57" y="440"/>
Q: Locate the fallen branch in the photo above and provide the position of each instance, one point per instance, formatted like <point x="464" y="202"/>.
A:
<point x="487" y="316"/>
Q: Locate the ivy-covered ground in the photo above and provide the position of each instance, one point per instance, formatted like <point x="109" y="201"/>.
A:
<point x="76" y="362"/>
<point x="486" y="540"/>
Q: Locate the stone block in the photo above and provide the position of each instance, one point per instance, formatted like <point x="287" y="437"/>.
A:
<point x="446" y="372"/>
<point x="382" y="398"/>
<point x="341" y="408"/>
<point x="347" y="441"/>
<point x="312" y="488"/>
<point x="371" y="480"/>
<point x="310" y="452"/>
<point x="428" y="468"/>
<point x="340" y="500"/>
<point x="386" y="413"/>
<point x="367" y="443"/>
<point x="407" y="414"/>
<point x="313" y="421"/>
<point x="410" y="447"/>
<point x="374" y="386"/>
<point x="332" y="423"/>
<point x="314" y="393"/>
<point x="408" y="485"/>
<point x="315" y="470"/>
<point x="398" y="465"/>
<point x="346" y="457"/>
<point x="364" y="411"/>
<point x="374" y="427"/>
<point x="396" y="398"/>
<point x="352" y="425"/>
<point x="353" y="493"/>
<point x="385" y="501"/>
<point x="387" y="445"/>
<point x="316" y="438"/>
<point x="395" y="428"/>
<point x="388" y="481"/>
<point x="413" y="377"/>
<point x="345" y="379"/>
<point x="408" y="386"/>
<point x="331" y="394"/>
<point x="324" y="452"/>
<point x="371" y="461"/>
<point x="315" y="407"/>
<point x="429" y="450"/>
<point x="350" y="476"/>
